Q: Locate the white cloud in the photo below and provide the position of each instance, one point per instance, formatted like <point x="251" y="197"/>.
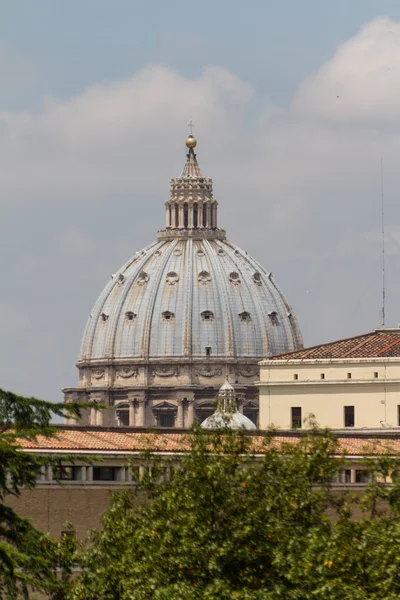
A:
<point x="361" y="82"/>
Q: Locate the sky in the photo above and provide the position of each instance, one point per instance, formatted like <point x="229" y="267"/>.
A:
<point x="296" y="106"/>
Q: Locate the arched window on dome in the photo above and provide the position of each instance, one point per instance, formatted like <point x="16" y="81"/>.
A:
<point x="207" y="315"/>
<point x="167" y="315"/>
<point x="273" y="315"/>
<point x="130" y="316"/>
<point x="234" y="278"/>
<point x="104" y="317"/>
<point x="257" y="278"/>
<point x="245" y="316"/>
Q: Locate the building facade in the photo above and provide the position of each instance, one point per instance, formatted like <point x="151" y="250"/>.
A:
<point x="344" y="384"/>
<point x="182" y="315"/>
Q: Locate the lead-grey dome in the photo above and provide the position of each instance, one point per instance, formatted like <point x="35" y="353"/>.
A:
<point x="191" y="293"/>
<point x="179" y="297"/>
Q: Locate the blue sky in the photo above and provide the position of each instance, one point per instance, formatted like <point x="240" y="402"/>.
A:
<point x="272" y="44"/>
<point x="295" y="103"/>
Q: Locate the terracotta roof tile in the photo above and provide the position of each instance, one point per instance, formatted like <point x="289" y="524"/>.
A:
<point x="379" y="343"/>
<point x="79" y="439"/>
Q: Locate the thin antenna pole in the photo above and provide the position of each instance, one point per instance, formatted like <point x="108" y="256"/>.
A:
<point x="383" y="248"/>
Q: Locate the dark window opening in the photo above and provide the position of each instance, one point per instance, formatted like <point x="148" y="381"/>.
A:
<point x="104" y="473"/>
<point x="348" y="375"/>
<point x="347" y="476"/>
<point x="104" y="317"/>
<point x="349" y="416"/>
<point x="130" y="316"/>
<point x="185" y="216"/>
<point x="208" y="350"/>
<point x="296" y="417"/>
<point x="376" y="374"/>
<point x="322" y="375"/>
<point x="362" y="476"/>
<point x="204" y="215"/>
<point x="166" y="419"/>
<point x="245" y="316"/>
<point x="295" y="376"/>
<point x="273" y="315"/>
<point x="167" y="315"/>
<point x="123" y="417"/>
<point x="207" y="315"/>
<point x="195" y="215"/>
<point x="64" y="473"/>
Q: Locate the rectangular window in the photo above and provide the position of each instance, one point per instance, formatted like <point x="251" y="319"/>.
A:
<point x="376" y="374"/>
<point x="64" y="473"/>
<point x="348" y="375"/>
<point x="362" y="476"/>
<point x="347" y="476"/>
<point x="295" y="377"/>
<point x="296" y="417"/>
<point x="322" y="375"/>
<point x="104" y="473"/>
<point x="349" y="416"/>
<point x="208" y="350"/>
<point x="166" y="419"/>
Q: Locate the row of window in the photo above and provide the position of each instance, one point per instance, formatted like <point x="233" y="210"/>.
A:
<point x="113" y="473"/>
<point x="322" y="376"/>
<point x="206" y="315"/>
<point x="348" y="417"/>
<point x="167" y="418"/>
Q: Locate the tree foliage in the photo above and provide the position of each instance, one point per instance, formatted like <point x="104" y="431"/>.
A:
<point x="27" y="556"/>
<point x="230" y="524"/>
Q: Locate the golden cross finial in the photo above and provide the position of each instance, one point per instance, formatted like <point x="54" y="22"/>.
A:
<point x="191" y="125"/>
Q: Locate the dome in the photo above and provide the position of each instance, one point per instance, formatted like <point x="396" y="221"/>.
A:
<point x="180" y="316"/>
<point x="221" y="420"/>
<point x="227" y="414"/>
<point x="179" y="297"/>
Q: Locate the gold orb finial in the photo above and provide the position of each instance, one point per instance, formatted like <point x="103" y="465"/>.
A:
<point x="191" y="142"/>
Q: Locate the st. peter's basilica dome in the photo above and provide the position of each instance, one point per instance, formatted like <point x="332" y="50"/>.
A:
<point x="181" y="315"/>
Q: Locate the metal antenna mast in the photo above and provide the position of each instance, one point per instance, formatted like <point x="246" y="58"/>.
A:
<point x="383" y="248"/>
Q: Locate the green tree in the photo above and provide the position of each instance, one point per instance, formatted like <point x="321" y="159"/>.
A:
<point x="236" y="521"/>
<point x="252" y="523"/>
<point x="27" y="556"/>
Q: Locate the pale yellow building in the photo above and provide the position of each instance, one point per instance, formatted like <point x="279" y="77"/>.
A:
<point x="353" y="382"/>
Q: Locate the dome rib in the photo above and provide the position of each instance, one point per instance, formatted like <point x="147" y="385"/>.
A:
<point x="146" y="332"/>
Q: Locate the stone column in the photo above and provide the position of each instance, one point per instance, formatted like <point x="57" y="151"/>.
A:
<point x="49" y="474"/>
<point x="190" y="414"/>
<point x="93" y="412"/>
<point x="141" y="413"/>
<point x="167" y="216"/>
<point x="190" y="215"/>
<point x="179" y="414"/>
<point x="131" y="413"/>
<point x="200" y="215"/>
<point x="99" y="418"/>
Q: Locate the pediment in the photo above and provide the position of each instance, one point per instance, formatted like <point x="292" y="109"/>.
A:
<point x="164" y="406"/>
